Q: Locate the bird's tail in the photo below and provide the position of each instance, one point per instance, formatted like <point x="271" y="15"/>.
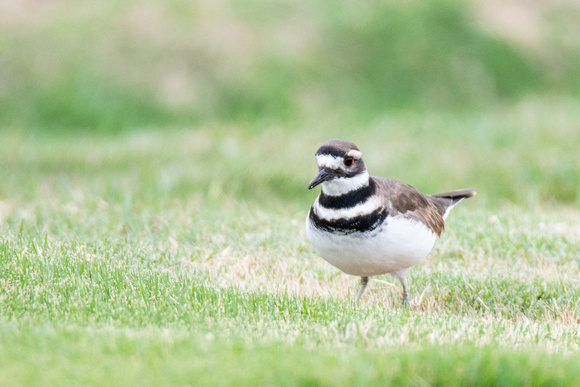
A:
<point x="456" y="196"/>
<point x="447" y="200"/>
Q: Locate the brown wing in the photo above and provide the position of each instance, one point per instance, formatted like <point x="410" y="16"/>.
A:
<point x="405" y="200"/>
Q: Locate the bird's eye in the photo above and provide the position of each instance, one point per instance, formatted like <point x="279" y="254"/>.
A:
<point x="348" y="161"/>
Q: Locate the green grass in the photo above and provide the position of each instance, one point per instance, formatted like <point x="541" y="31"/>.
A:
<point x="179" y="257"/>
<point x="136" y="307"/>
<point x="152" y="356"/>
<point x="109" y="66"/>
<point x="522" y="154"/>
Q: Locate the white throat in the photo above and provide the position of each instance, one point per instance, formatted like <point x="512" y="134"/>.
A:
<point x="343" y="185"/>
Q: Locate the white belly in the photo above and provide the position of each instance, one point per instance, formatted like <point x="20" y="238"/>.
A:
<point x="397" y="244"/>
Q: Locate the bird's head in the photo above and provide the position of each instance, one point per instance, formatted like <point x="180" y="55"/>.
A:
<point x="341" y="168"/>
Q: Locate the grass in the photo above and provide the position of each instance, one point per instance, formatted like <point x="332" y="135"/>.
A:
<point x="153" y="356"/>
<point x="179" y="257"/>
<point x="109" y="66"/>
<point x="521" y="154"/>
<point x="140" y="307"/>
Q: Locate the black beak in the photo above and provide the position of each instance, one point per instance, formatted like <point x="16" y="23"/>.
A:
<point x="322" y="176"/>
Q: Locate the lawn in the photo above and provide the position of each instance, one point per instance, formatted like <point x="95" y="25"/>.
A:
<point x="179" y="257"/>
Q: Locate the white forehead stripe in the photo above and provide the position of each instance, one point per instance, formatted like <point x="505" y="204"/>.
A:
<point x="342" y="185"/>
<point x="328" y="161"/>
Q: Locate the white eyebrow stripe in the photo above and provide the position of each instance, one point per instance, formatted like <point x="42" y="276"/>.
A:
<point x="328" y="161"/>
<point x="354" y="153"/>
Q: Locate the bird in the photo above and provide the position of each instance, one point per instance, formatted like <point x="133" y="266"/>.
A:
<point x="366" y="225"/>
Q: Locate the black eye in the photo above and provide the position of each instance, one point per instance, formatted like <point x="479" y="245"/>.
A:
<point x="348" y="161"/>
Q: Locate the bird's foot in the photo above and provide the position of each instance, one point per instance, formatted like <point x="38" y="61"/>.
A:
<point x="405" y="300"/>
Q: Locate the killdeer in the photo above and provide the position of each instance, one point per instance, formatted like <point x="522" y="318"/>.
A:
<point x="366" y="225"/>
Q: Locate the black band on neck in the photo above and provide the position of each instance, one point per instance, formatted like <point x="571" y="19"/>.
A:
<point x="360" y="224"/>
<point x="349" y="199"/>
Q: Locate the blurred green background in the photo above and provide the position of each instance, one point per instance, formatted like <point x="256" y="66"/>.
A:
<point x="169" y="99"/>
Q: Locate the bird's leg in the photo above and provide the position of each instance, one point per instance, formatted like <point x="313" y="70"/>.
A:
<point x="401" y="276"/>
<point x="363" y="285"/>
<point x="405" y="299"/>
